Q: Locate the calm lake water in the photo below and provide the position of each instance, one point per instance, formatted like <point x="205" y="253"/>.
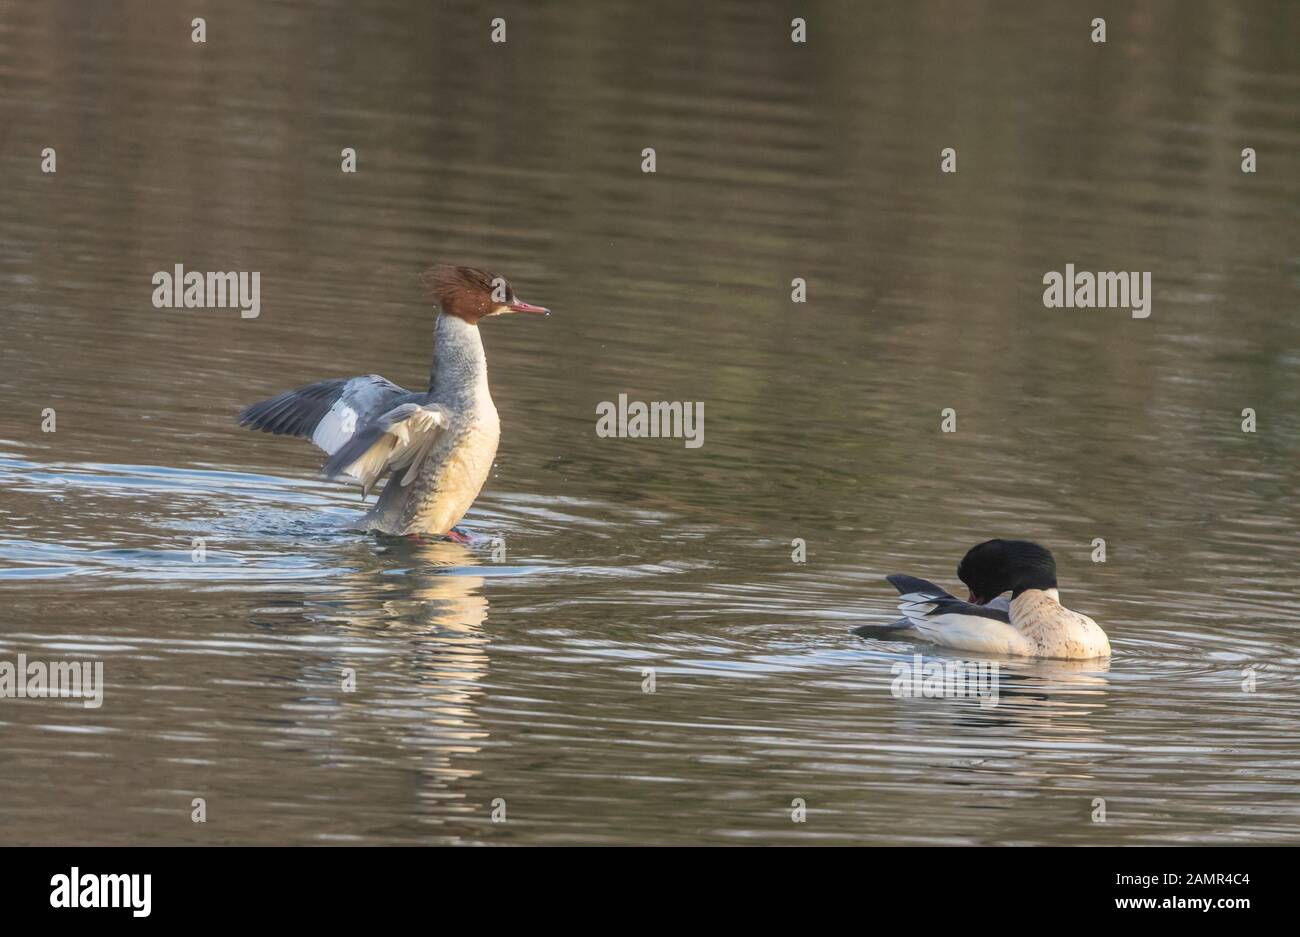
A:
<point x="484" y="679"/>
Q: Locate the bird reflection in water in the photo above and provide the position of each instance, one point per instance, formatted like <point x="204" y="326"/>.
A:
<point x="417" y="701"/>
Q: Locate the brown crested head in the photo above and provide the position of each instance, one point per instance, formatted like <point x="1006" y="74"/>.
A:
<point x="471" y="293"/>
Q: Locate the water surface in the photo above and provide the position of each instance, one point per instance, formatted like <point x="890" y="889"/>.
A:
<point x="515" y="668"/>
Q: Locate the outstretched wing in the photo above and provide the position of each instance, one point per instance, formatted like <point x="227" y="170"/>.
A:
<point x="329" y="413"/>
<point x="396" y="440"/>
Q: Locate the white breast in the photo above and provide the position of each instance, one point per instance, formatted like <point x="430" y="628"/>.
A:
<point x="455" y="474"/>
<point x="1054" y="630"/>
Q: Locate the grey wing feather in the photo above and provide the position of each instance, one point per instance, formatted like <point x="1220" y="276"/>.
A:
<point x="295" y="412"/>
<point x="891" y="630"/>
<point x="329" y="412"/>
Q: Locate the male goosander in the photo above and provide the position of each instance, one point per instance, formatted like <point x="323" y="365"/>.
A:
<point x="1032" y="624"/>
<point x="436" y="447"/>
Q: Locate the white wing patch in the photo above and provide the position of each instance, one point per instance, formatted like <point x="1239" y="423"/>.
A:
<point x="335" y="428"/>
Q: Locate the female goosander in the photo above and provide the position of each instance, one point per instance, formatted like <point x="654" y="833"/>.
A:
<point x="1032" y="624"/>
<point x="436" y="447"/>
